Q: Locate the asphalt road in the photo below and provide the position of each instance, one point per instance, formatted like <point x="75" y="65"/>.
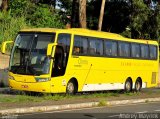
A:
<point x="136" y="111"/>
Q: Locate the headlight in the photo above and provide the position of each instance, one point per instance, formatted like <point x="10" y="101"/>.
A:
<point x="42" y="79"/>
<point x="10" y="77"/>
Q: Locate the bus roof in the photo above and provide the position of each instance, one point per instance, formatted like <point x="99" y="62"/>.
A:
<point x="92" y="33"/>
<point x="81" y="31"/>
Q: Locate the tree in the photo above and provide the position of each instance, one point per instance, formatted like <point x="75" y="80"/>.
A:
<point x="75" y="12"/>
<point x="144" y="20"/>
<point x="101" y="15"/>
<point x="82" y="13"/>
<point x="0" y="3"/>
<point x="4" y="5"/>
<point x="139" y="17"/>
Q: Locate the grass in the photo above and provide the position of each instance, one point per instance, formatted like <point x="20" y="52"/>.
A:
<point x="101" y="95"/>
<point x="146" y="101"/>
<point x="132" y="93"/>
<point x="21" y="97"/>
<point x="102" y="103"/>
<point x="26" y="98"/>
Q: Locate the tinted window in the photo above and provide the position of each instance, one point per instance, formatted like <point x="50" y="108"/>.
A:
<point x="124" y="49"/>
<point x="153" y="52"/>
<point x="135" y="50"/>
<point x="64" y="40"/>
<point x="80" y="45"/>
<point x="43" y="41"/>
<point x="144" y="51"/>
<point x="110" y="48"/>
<point x="95" y="46"/>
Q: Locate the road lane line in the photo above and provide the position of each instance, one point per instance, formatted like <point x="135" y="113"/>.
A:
<point x="114" y="116"/>
<point x="142" y="112"/>
<point x="157" y="110"/>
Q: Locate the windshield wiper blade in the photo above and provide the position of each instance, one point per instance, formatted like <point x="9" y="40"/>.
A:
<point x="18" y="68"/>
<point x="33" y="71"/>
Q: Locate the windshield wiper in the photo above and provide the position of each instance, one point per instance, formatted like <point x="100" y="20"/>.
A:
<point x="16" y="69"/>
<point x="21" y="69"/>
<point x="33" y="71"/>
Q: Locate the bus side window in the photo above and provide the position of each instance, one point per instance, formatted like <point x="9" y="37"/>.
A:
<point x="124" y="49"/>
<point x="92" y="51"/>
<point x="153" y="52"/>
<point x="108" y="49"/>
<point x="95" y="46"/>
<point x="80" y="45"/>
<point x="144" y="51"/>
<point x="135" y="50"/>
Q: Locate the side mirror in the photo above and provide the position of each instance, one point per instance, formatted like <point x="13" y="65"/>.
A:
<point x="51" y="49"/>
<point x="4" y="46"/>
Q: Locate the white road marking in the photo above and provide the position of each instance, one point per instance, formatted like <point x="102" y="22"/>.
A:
<point x="142" y="112"/>
<point x="157" y="110"/>
<point x="68" y="110"/>
<point x="114" y="116"/>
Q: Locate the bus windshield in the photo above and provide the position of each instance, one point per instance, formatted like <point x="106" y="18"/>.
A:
<point x="28" y="55"/>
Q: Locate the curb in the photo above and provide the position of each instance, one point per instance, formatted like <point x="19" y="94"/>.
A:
<point x="74" y="106"/>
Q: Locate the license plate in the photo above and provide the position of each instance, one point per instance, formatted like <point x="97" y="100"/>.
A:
<point x="24" y="86"/>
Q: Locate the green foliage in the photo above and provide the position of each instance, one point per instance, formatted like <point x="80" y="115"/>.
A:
<point x="25" y="14"/>
<point x="144" y="21"/>
<point x="66" y="5"/>
<point x="36" y="14"/>
<point x="10" y="26"/>
<point x="126" y="33"/>
<point x="42" y="16"/>
<point x="139" y="14"/>
<point x="131" y="18"/>
<point x="102" y="103"/>
<point x="20" y="7"/>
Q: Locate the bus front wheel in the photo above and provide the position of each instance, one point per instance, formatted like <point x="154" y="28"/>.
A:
<point x="71" y="88"/>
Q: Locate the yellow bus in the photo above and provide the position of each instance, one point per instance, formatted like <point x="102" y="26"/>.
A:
<point x="76" y="60"/>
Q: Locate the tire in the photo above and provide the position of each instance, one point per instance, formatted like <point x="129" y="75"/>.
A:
<point x="138" y="86"/>
<point x="71" y="88"/>
<point x="128" y="86"/>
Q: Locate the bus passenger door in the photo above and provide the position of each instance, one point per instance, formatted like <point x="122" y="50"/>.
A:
<point x="60" y="63"/>
<point x="58" y="66"/>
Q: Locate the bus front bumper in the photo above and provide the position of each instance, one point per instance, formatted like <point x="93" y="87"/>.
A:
<point x="35" y="87"/>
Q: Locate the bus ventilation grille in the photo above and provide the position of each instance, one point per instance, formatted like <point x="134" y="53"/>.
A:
<point x="153" y="78"/>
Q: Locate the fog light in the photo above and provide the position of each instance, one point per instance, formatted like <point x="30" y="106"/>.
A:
<point x="42" y="79"/>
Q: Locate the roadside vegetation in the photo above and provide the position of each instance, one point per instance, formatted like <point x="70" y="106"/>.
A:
<point x="21" y="97"/>
<point x="55" y="97"/>
<point x="26" y="14"/>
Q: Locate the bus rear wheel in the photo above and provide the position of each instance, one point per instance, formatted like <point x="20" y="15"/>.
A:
<point x="71" y="88"/>
<point x="138" y="85"/>
<point x="128" y="86"/>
